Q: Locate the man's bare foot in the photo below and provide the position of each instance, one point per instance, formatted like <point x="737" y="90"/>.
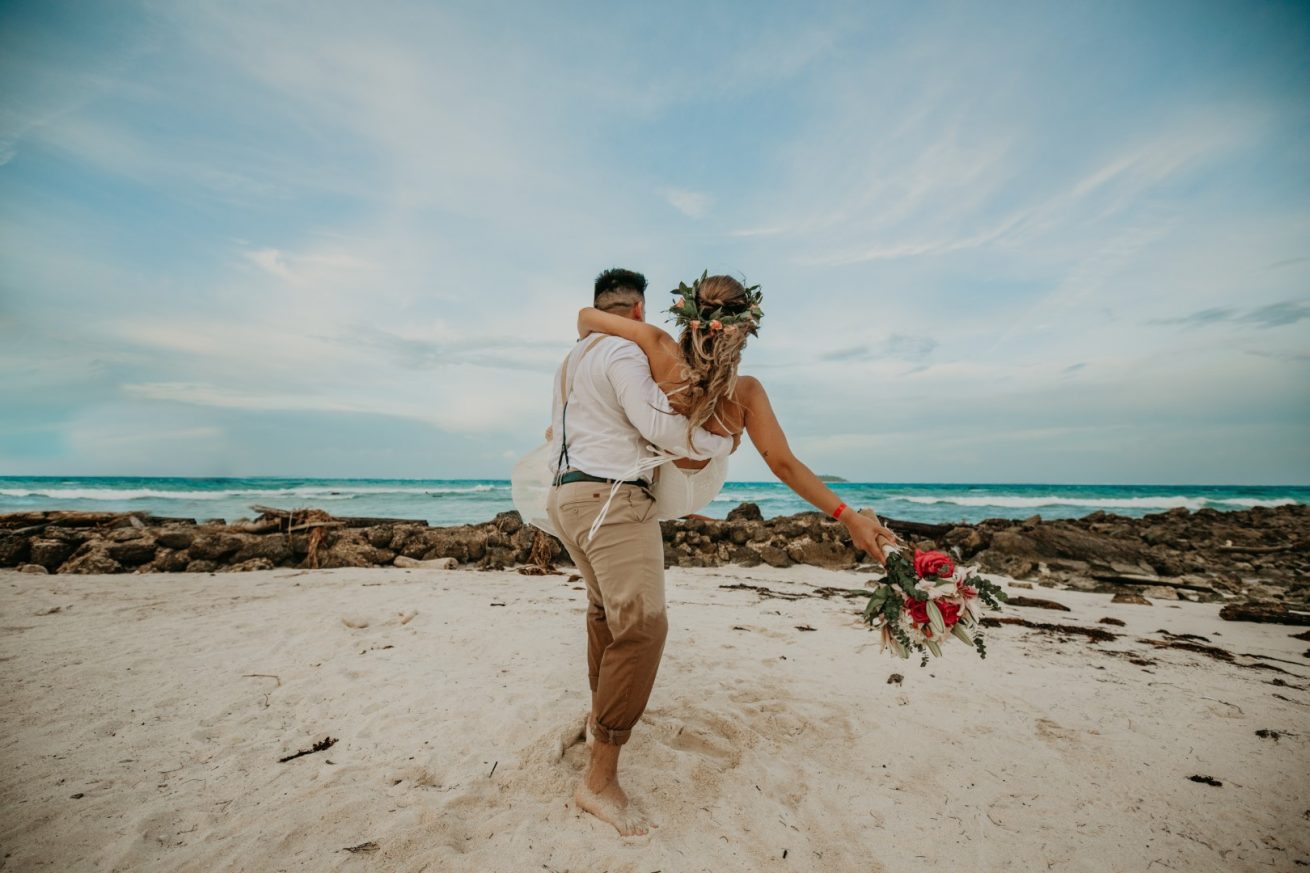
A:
<point x="611" y="805"/>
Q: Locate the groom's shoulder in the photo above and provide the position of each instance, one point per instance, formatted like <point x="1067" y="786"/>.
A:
<point x="613" y="347"/>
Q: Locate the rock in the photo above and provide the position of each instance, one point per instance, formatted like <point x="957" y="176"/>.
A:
<point x="36" y="569"/>
<point x="133" y="552"/>
<point x="214" y="547"/>
<point x="967" y="539"/>
<point x="770" y="554"/>
<point x="169" y="561"/>
<point x="746" y="512"/>
<point x="201" y="567"/>
<point x="13" y="549"/>
<point x="434" y="564"/>
<point x="352" y="553"/>
<point x="1270" y="613"/>
<point x="50" y="553"/>
<point x="273" y="548"/>
<point x="1159" y="592"/>
<point x="827" y="554"/>
<point x="91" y="559"/>
<point x="508" y="522"/>
<point x="380" y="537"/>
<point x="1114" y="621"/>
<point x="125" y="534"/>
<point x="175" y="538"/>
<point x="252" y="564"/>
<point x="1128" y="597"/>
<point x="1035" y="603"/>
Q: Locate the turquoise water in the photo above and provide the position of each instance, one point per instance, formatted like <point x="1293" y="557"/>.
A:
<point x="460" y="501"/>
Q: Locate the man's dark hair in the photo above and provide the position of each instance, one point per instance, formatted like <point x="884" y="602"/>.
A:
<point x="616" y="279"/>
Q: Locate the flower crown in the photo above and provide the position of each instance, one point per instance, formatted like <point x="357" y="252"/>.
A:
<point x="688" y="312"/>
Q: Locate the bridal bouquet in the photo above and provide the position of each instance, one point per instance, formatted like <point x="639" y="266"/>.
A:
<point x="919" y="603"/>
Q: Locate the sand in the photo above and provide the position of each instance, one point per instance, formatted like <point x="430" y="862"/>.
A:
<point x="144" y="716"/>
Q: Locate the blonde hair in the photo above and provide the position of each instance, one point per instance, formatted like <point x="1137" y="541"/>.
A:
<point x="711" y="357"/>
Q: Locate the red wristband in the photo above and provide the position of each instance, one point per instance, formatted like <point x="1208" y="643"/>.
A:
<point x="836" y="513"/>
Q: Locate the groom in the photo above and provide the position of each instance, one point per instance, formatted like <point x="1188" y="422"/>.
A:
<point x="607" y="410"/>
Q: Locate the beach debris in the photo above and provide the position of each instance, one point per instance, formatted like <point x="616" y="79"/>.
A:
<point x="1206" y="780"/>
<point x="764" y="591"/>
<point x="1095" y="634"/>
<point x="1117" y="622"/>
<point x="1266" y="613"/>
<point x="362" y="848"/>
<point x="265" y="676"/>
<point x="493" y="769"/>
<point x="1267" y="734"/>
<point x="407" y="616"/>
<point x="1304" y="635"/>
<point x="1211" y="651"/>
<point x="433" y="564"/>
<point x="354" y="621"/>
<point x="36" y="569"/>
<point x="51" y="611"/>
<point x="895" y="679"/>
<point x="1129" y="597"/>
<point x="1195" y="637"/>
<point x="804" y="627"/>
<point x="322" y="745"/>
<point x="1035" y="603"/>
<point x="542" y="556"/>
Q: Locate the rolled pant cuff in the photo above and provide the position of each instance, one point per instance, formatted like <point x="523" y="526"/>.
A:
<point x="610" y="737"/>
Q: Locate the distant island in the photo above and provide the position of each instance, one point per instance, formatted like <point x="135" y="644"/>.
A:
<point x="831" y="479"/>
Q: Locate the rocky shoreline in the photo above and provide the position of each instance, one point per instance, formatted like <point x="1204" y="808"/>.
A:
<point x="1259" y="556"/>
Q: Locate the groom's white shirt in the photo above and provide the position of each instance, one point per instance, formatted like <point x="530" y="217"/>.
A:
<point x="616" y="412"/>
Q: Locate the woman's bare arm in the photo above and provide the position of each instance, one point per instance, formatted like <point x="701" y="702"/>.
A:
<point x="660" y="348"/>
<point x="770" y="441"/>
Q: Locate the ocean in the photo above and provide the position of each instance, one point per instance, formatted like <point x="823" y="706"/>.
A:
<point x="461" y="501"/>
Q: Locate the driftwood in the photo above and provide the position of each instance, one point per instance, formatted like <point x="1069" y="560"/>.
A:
<point x="34" y="521"/>
<point x="918" y="528"/>
<point x="292" y="516"/>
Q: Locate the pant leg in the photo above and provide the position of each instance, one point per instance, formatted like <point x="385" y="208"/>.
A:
<point x="599" y="637"/>
<point x="626" y="557"/>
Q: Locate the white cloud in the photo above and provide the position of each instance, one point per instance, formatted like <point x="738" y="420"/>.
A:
<point x="692" y="204"/>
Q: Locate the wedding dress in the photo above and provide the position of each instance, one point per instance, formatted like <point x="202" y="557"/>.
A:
<point x="677" y="492"/>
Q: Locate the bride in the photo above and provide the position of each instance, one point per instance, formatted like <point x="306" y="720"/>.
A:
<point x="698" y="373"/>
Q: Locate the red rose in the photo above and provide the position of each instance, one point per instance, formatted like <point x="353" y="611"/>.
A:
<point x="928" y="565"/>
<point x="950" y="611"/>
<point x="918" y="610"/>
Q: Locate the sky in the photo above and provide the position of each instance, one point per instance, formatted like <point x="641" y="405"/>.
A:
<point x="1012" y="242"/>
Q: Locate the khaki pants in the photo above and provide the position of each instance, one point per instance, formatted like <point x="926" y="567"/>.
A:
<point x="623" y="566"/>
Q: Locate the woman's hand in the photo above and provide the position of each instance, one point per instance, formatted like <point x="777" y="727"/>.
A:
<point x="868" y="533"/>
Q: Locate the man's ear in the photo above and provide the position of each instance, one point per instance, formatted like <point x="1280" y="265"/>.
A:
<point x="639" y="311"/>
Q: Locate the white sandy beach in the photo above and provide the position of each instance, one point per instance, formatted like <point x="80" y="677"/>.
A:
<point x="144" y="716"/>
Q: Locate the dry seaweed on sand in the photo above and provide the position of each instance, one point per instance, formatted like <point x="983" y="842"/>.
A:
<point x="321" y="746"/>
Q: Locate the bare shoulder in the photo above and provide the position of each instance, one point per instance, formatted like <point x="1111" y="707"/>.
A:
<point x="748" y="389"/>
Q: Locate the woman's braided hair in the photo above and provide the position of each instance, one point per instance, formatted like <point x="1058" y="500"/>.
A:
<point x="718" y="314"/>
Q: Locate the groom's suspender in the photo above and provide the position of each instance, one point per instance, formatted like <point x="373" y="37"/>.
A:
<point x="565" y="392"/>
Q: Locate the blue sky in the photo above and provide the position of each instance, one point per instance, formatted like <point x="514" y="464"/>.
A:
<point x="998" y="242"/>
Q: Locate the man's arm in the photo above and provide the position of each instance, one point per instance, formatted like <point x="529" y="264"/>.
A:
<point x="648" y="409"/>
